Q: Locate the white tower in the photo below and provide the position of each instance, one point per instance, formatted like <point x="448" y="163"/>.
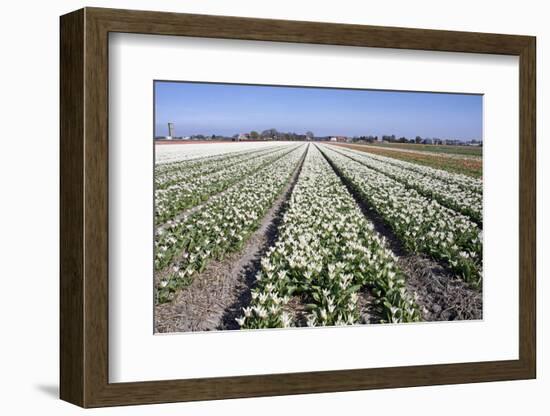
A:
<point x="171" y="131"/>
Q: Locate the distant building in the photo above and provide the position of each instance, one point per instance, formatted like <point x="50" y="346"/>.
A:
<point x="339" y="139"/>
<point x="171" y="131"/>
<point x="243" y="136"/>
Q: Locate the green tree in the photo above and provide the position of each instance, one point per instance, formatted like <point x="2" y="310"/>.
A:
<point x="270" y="133"/>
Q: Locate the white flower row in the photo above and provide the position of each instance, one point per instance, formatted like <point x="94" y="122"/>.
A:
<point x="168" y="153"/>
<point x="325" y="253"/>
<point x="170" y="173"/>
<point x="447" y="192"/>
<point x="421" y="223"/>
<point x="186" y="194"/>
<point x="420" y="151"/>
<point x="464" y="181"/>
<point x="223" y="225"/>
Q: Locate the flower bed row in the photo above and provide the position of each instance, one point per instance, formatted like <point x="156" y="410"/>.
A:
<point x="463" y="181"/>
<point x="223" y="225"/>
<point x="326" y="252"/>
<point x="168" y="154"/>
<point x="166" y="175"/>
<point x="422" y="224"/>
<point x="194" y="191"/>
<point x="446" y="192"/>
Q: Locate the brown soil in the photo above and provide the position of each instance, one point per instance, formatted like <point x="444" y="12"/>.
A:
<point x="367" y="308"/>
<point x="216" y="297"/>
<point x="296" y="308"/>
<point x="440" y="295"/>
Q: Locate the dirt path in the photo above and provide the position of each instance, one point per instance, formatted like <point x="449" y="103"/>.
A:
<point x="216" y="297"/>
<point x="441" y="295"/>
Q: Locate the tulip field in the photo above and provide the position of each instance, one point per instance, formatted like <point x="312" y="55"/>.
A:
<point x="295" y="234"/>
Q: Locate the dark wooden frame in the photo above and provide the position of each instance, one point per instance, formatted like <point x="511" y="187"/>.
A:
<point x="84" y="207"/>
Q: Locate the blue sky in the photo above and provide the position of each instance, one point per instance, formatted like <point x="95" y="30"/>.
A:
<point x="227" y="109"/>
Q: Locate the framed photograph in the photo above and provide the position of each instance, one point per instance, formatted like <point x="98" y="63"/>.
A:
<point x="254" y="207"/>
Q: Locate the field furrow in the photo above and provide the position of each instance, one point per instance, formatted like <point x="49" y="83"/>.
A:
<point x="186" y="194"/>
<point x="464" y="181"/>
<point x="185" y="246"/>
<point x="166" y="175"/>
<point x="447" y="192"/>
<point x="325" y="254"/>
<point x="423" y="224"/>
